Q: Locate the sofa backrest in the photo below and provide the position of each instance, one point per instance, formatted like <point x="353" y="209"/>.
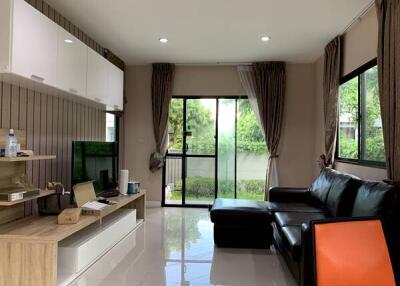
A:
<point x="375" y="199"/>
<point x="319" y="189"/>
<point x="335" y="192"/>
<point x="342" y="193"/>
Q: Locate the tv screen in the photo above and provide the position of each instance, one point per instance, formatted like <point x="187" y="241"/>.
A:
<point x="97" y="162"/>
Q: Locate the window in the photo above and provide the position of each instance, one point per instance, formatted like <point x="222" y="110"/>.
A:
<point x="111" y="127"/>
<point x="360" y="136"/>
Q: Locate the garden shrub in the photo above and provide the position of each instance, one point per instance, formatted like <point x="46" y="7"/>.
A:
<point x="205" y="187"/>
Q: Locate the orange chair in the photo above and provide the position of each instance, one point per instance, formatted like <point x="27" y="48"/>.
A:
<point x="351" y="253"/>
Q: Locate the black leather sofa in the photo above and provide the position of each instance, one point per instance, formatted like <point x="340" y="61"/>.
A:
<point x="332" y="194"/>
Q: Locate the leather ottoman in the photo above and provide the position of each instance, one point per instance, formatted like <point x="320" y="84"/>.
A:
<point x="241" y="223"/>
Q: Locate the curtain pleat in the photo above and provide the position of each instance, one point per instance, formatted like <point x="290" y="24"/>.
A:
<point x="270" y="88"/>
<point x="161" y="94"/>
<point x="388" y="12"/>
<point x="331" y="98"/>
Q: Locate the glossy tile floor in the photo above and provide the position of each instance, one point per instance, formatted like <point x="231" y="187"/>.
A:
<point x="175" y="247"/>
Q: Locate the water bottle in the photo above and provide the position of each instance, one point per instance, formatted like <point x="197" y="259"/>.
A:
<point x="11" y="150"/>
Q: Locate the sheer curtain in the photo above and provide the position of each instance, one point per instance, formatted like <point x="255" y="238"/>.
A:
<point x="264" y="84"/>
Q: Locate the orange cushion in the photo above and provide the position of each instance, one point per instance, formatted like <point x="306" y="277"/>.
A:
<point x="352" y="253"/>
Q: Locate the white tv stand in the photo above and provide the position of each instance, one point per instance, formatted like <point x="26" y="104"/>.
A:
<point x="29" y="247"/>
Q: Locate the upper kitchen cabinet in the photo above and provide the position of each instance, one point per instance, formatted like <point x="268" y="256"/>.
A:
<point x="105" y="82"/>
<point x="97" y="77"/>
<point x="34" y="44"/>
<point x="71" y="63"/>
<point x="34" y="49"/>
<point x="115" y="97"/>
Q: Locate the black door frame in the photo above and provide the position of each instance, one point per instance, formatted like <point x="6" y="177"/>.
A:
<point x="183" y="155"/>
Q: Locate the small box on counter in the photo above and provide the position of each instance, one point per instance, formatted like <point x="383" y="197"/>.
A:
<point x="69" y="216"/>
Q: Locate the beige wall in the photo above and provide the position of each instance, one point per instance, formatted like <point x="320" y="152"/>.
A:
<point x="296" y="161"/>
<point x="360" y="44"/>
<point x="207" y="81"/>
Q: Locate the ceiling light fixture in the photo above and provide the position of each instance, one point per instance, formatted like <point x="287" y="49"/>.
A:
<point x="68" y="41"/>
<point x="163" y="40"/>
<point x="265" y="39"/>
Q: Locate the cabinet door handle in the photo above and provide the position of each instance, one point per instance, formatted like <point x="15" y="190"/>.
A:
<point x="38" y="78"/>
<point x="73" y="90"/>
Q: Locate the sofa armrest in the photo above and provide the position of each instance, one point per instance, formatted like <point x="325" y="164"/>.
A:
<point x="285" y="195"/>
<point x="306" y="263"/>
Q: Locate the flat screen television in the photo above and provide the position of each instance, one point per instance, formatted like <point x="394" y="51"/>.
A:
<point x="97" y="162"/>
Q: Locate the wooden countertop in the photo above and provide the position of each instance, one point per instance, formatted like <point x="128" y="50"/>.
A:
<point x="30" y="158"/>
<point x="45" y="228"/>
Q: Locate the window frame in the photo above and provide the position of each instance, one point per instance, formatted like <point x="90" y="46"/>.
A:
<point x="361" y="127"/>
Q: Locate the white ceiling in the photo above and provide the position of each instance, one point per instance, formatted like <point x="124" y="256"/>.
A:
<point x="212" y="31"/>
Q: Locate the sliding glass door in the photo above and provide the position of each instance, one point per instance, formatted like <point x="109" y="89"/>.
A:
<point x="215" y="150"/>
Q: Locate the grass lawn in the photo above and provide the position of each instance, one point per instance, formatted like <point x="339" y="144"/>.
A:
<point x="240" y="195"/>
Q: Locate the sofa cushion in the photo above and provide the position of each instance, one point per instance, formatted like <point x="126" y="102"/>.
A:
<point x="342" y="193"/>
<point x="293" y="207"/>
<point x="319" y="189"/>
<point x="240" y="212"/>
<point x="375" y="199"/>
<point x="296" y="219"/>
<point x="292" y="239"/>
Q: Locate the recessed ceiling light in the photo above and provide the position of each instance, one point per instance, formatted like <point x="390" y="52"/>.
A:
<point x="265" y="38"/>
<point x="68" y="41"/>
<point x="163" y="40"/>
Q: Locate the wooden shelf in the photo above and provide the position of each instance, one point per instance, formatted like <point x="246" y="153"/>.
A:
<point x="43" y="193"/>
<point x="30" y="158"/>
<point x="45" y="228"/>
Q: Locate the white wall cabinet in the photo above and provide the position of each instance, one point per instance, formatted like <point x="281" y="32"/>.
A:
<point x="97" y="77"/>
<point x="34" y="47"/>
<point x="105" y="81"/>
<point x="34" y="44"/>
<point x="115" y="96"/>
<point x="71" y="63"/>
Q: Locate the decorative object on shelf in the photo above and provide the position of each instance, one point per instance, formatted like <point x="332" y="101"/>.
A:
<point x="133" y="188"/>
<point x="69" y="216"/>
<point x="123" y="181"/>
<point x="48" y="205"/>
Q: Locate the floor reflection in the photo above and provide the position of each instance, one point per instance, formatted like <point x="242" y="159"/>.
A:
<point x="175" y="247"/>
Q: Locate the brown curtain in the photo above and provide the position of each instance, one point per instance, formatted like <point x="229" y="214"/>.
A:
<point x="270" y="81"/>
<point x="161" y="93"/>
<point x="388" y="12"/>
<point x="331" y="97"/>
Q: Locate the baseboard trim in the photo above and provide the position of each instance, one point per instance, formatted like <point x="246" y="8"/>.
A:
<point x="153" y="204"/>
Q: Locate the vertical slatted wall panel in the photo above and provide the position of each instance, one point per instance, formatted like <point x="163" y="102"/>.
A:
<point x="51" y="123"/>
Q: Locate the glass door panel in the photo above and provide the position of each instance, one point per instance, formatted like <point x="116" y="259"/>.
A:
<point x="226" y="148"/>
<point x="200" y="180"/>
<point x="200" y="126"/>
<point x="173" y="180"/>
<point x="175" y="126"/>
<point x="215" y="148"/>
<point x="252" y="157"/>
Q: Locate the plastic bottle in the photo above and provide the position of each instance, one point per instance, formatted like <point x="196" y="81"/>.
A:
<point x="11" y="150"/>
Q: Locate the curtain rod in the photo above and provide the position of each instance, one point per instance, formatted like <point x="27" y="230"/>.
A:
<point x="359" y="17"/>
<point x="214" y="64"/>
